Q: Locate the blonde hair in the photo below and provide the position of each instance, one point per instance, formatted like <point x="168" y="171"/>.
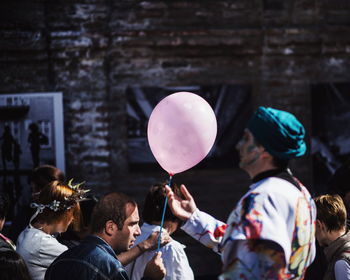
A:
<point x="58" y="191"/>
<point x="331" y="211"/>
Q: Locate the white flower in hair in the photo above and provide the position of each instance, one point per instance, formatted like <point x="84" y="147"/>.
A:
<point x="55" y="205"/>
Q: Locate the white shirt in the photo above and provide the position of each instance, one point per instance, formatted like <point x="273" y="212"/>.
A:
<point x="173" y="255"/>
<point x="38" y="250"/>
<point x="274" y="210"/>
<point x="342" y="270"/>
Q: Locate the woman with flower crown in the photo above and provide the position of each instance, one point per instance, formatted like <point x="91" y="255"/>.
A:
<point x="57" y="207"/>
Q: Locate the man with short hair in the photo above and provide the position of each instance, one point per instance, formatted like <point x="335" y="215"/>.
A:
<point x="114" y="227"/>
<point x="270" y="233"/>
<point x="332" y="234"/>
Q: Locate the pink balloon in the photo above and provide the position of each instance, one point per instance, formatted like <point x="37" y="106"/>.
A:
<point x="181" y="131"/>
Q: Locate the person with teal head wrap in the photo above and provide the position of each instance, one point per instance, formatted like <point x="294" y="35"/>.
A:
<point x="270" y="234"/>
<point x="279" y="132"/>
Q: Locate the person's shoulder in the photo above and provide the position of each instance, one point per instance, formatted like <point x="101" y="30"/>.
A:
<point x="278" y="185"/>
<point x="91" y="253"/>
<point x="76" y="255"/>
<point x="174" y="244"/>
<point x="342" y="269"/>
<point x="4" y="245"/>
<point x="173" y="249"/>
<point x="29" y="236"/>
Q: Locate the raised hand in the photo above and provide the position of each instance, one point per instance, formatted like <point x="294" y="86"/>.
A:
<point x="152" y="241"/>
<point x="155" y="268"/>
<point x="182" y="208"/>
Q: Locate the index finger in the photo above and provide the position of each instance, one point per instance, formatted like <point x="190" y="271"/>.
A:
<point x="168" y="190"/>
<point x="185" y="192"/>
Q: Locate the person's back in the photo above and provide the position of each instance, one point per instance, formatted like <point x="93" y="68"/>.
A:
<point x="173" y="253"/>
<point x="92" y="259"/>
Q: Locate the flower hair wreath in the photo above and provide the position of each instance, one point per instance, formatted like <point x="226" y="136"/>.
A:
<point x="68" y="203"/>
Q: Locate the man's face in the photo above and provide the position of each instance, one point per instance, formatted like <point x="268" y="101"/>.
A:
<point x="125" y="238"/>
<point x="248" y="151"/>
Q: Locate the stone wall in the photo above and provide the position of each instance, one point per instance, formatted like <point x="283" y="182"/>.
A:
<point x="92" y="50"/>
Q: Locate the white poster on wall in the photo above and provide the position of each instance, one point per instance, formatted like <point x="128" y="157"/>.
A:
<point x="31" y="131"/>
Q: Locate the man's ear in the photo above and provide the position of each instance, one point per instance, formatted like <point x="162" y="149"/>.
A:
<point x="320" y="225"/>
<point x="110" y="227"/>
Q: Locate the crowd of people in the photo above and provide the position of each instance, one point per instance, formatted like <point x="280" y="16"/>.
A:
<point x="276" y="230"/>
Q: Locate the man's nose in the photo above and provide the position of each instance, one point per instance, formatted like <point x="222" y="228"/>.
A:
<point x="138" y="231"/>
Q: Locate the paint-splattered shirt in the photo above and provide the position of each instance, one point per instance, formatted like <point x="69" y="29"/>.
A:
<point x="269" y="235"/>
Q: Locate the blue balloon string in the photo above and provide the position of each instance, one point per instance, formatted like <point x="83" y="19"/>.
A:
<point x="163" y="215"/>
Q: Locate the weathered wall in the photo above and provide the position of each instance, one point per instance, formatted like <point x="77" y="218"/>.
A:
<point x="92" y="50"/>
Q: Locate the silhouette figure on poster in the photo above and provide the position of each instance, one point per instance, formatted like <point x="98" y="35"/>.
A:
<point x="36" y="138"/>
<point x="7" y="146"/>
<point x="17" y="151"/>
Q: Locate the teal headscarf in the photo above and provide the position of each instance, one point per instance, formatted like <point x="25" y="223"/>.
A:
<point x="281" y="134"/>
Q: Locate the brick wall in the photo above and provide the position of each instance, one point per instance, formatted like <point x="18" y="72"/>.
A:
<point x="92" y="50"/>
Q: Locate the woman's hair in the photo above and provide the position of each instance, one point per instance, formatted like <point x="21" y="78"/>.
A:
<point x="12" y="266"/>
<point x="154" y="204"/>
<point x="67" y="206"/>
<point x="44" y="175"/>
<point x="331" y="211"/>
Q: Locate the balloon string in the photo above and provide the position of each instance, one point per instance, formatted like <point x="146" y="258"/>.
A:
<point x="163" y="214"/>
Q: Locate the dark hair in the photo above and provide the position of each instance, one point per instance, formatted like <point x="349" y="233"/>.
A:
<point x="112" y="207"/>
<point x="331" y="211"/>
<point x="280" y="163"/>
<point x="44" y="175"/>
<point x="86" y="208"/>
<point x="12" y="266"/>
<point x="4" y="205"/>
<point x="154" y="204"/>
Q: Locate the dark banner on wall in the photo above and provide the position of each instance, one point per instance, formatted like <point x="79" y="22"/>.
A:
<point x="230" y="103"/>
<point x="330" y="139"/>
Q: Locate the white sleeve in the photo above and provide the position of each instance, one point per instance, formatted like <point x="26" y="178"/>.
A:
<point x="206" y="229"/>
<point x="342" y="270"/>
